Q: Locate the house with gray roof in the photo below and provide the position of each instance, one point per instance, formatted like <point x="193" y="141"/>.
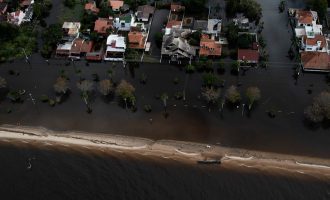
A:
<point x="176" y="47"/>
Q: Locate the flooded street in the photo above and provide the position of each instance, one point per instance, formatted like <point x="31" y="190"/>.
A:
<point x="189" y="120"/>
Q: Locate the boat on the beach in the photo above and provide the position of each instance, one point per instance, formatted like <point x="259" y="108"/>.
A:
<point x="211" y="161"/>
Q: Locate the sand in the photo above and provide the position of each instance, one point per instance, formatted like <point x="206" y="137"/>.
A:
<point x="180" y="150"/>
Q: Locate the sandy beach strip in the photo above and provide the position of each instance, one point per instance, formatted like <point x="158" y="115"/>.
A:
<point x="185" y="151"/>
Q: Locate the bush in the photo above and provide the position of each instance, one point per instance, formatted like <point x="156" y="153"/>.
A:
<point x="147" y="108"/>
<point x="51" y="102"/>
<point x="178" y="95"/>
<point x="44" y="98"/>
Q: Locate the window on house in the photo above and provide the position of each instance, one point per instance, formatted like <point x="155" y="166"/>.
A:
<point x="122" y="24"/>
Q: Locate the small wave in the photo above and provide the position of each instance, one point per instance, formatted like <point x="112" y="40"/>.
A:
<point x="187" y="154"/>
<point x="313" y="165"/>
<point x="26" y="142"/>
<point x="5" y="140"/>
<point x="246" y="165"/>
<point x="46" y="143"/>
<point x="239" y="158"/>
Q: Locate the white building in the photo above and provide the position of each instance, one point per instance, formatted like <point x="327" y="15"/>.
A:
<point x="124" y="23"/>
<point x="116" y="47"/>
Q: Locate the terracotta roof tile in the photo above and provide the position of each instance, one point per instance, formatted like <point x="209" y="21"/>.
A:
<point x="313" y="41"/>
<point x="315" y="60"/>
<point x="102" y="25"/>
<point x="136" y="40"/>
<point x="92" y="7"/>
<point x="248" y="55"/>
<point x="116" y="4"/>
<point x="304" y="17"/>
<point x="209" y="47"/>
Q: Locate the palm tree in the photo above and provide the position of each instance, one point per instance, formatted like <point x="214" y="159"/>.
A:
<point x="3" y="83"/>
<point x="189" y="70"/>
<point x="105" y="87"/>
<point x="253" y="95"/>
<point x="61" y="85"/>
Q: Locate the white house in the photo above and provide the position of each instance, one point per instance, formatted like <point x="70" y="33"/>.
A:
<point x="124" y="23"/>
<point x="213" y="27"/>
<point x="116" y="47"/>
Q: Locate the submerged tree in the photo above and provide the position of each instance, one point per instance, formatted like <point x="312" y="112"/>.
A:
<point x="86" y="87"/>
<point x="105" y="87"/>
<point x="164" y="98"/>
<point x="61" y="85"/>
<point x="211" y="95"/>
<point x="319" y="111"/>
<point x="253" y="95"/>
<point x="126" y="92"/>
<point x="232" y="95"/>
<point x="3" y="82"/>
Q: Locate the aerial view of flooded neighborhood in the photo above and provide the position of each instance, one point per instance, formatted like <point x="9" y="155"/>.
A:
<point x="165" y="99"/>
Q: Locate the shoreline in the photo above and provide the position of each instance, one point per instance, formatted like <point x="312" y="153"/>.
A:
<point x="184" y="151"/>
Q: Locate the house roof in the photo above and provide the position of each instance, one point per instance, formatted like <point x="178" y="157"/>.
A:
<point x="200" y="25"/>
<point x="102" y="25"/>
<point x="315" y="40"/>
<point x="92" y="7"/>
<point x="145" y="11"/>
<point x="209" y="47"/>
<point x="173" y="23"/>
<point x="87" y="46"/>
<point x="304" y="17"/>
<point x="127" y="18"/>
<point x="116" y="4"/>
<point x="248" y="55"/>
<point x="116" y="41"/>
<point x="315" y="60"/>
<point x="176" y="7"/>
<point x="136" y="40"/>
<point x="76" y="45"/>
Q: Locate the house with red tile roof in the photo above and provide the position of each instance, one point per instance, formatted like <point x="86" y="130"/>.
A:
<point x="116" y="5"/>
<point x="315" y="61"/>
<point x="137" y="39"/>
<point x="102" y="25"/>
<point x="91" y="7"/>
<point x="314" y="43"/>
<point x="249" y="56"/>
<point x="209" y="47"/>
<point x="80" y="47"/>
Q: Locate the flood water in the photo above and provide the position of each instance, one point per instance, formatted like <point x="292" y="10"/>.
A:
<point x="93" y="174"/>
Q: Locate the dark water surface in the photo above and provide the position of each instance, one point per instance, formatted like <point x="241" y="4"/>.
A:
<point x="89" y="174"/>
